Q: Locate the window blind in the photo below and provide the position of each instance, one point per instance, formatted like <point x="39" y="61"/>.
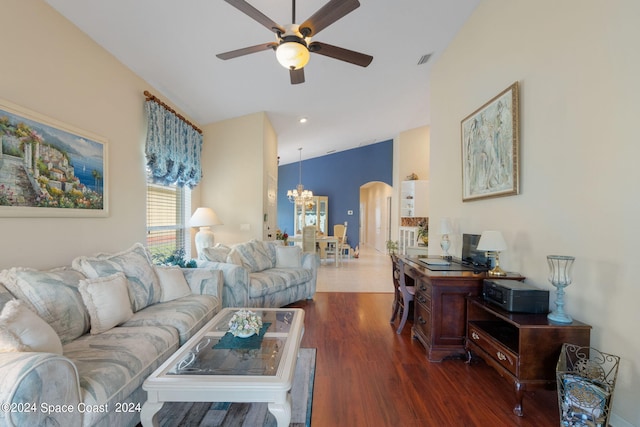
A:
<point x="168" y="213"/>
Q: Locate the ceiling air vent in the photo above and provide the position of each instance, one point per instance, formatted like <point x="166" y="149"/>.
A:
<point x="424" y="58"/>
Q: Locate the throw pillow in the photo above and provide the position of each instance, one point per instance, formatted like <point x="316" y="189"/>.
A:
<point x="269" y="247"/>
<point x="23" y="330"/>
<point x="252" y="256"/>
<point x="53" y="295"/>
<point x="173" y="283"/>
<point x="234" y="257"/>
<point x="135" y="263"/>
<point x="288" y="257"/>
<point x="218" y="253"/>
<point x="107" y="300"/>
<point x="5" y="295"/>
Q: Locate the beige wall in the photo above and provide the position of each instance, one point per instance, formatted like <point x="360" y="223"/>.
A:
<point x="411" y="154"/>
<point x="413" y="150"/>
<point x="50" y="67"/>
<point x="578" y="64"/>
<point x="270" y="181"/>
<point x="374" y="226"/>
<point x="235" y="188"/>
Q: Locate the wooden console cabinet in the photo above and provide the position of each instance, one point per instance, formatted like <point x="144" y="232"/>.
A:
<point x="440" y="321"/>
<point x="523" y="348"/>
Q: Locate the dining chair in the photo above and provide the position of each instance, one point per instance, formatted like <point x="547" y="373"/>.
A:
<point x="407" y="293"/>
<point x="337" y="249"/>
<point x="397" y="295"/>
<point x="309" y="238"/>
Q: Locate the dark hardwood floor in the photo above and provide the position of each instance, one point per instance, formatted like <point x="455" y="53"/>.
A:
<point x="367" y="375"/>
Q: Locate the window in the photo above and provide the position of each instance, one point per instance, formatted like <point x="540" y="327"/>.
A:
<point x="168" y="211"/>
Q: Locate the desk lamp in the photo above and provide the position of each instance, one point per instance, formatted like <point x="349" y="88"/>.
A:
<point x="492" y="243"/>
<point x="445" y="243"/>
<point x="204" y="218"/>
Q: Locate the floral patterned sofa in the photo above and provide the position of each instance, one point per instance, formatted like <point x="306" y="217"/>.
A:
<point x="76" y="343"/>
<point x="262" y="273"/>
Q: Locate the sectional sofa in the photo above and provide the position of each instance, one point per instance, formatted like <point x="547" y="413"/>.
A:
<point x="262" y="273"/>
<point x="76" y="343"/>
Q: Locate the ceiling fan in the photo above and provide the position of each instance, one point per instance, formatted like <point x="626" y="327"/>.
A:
<point x="293" y="42"/>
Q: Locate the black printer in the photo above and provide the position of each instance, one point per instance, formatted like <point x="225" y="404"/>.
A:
<point x="515" y="296"/>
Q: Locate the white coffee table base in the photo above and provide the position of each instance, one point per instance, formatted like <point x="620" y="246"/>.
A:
<point x="273" y="389"/>
<point x="279" y="403"/>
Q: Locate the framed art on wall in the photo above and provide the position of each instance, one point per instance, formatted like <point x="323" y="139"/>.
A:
<point x="48" y="168"/>
<point x="490" y="148"/>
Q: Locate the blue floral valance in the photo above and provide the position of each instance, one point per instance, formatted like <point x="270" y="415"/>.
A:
<point x="173" y="147"/>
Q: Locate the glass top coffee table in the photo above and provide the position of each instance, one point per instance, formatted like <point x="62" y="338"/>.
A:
<point x="212" y="367"/>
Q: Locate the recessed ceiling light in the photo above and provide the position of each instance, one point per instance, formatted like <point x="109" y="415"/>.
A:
<point x="303" y="120"/>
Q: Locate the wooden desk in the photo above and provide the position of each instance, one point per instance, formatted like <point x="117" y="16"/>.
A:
<point x="523" y="348"/>
<point x="440" y="320"/>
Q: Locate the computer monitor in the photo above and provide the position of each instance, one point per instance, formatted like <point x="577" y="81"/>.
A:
<point x="470" y="253"/>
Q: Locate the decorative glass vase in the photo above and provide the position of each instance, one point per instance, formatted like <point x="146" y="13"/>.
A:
<point x="445" y="243"/>
<point x="560" y="277"/>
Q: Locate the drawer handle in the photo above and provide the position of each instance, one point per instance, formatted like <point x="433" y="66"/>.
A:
<point x="422" y="299"/>
<point x="501" y="356"/>
<point x="475" y="335"/>
<point x="423" y="288"/>
<point x="421" y="320"/>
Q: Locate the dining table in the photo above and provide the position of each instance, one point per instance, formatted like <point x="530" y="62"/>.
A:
<point x="322" y="241"/>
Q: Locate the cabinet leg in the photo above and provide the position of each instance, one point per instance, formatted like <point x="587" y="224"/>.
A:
<point x="518" y="410"/>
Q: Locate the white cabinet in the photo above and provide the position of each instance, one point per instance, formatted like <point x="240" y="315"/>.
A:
<point x="414" y="199"/>
<point x="408" y="236"/>
<point x="315" y="213"/>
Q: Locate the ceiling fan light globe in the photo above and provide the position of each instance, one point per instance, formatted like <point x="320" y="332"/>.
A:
<point x="292" y="55"/>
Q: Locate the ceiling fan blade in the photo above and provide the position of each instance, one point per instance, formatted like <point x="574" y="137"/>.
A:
<point x="297" y="76"/>
<point x="246" y="51"/>
<point x="255" y="14"/>
<point x="327" y="15"/>
<point x="340" y="53"/>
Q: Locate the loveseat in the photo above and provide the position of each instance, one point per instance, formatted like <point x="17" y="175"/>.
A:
<point x="76" y="343"/>
<point x="262" y="273"/>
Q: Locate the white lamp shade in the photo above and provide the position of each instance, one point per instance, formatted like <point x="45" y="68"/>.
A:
<point x="492" y="241"/>
<point x="204" y="217"/>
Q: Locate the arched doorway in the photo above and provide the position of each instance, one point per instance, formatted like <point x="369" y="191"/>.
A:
<point x="375" y="214"/>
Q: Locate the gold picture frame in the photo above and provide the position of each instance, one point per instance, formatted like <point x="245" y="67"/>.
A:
<point x="48" y="168"/>
<point x="491" y="148"/>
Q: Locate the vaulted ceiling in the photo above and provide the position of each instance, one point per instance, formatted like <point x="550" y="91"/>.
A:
<point x="173" y="45"/>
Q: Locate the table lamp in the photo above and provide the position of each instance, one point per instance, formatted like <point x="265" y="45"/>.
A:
<point x="204" y="218"/>
<point x="445" y="243"/>
<point x="493" y="243"/>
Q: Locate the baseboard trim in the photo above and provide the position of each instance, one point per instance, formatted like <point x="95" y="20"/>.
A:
<point x="617" y="421"/>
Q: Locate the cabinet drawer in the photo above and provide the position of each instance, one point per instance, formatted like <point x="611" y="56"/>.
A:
<point x="423" y="298"/>
<point x="424" y="288"/>
<point x="422" y="320"/>
<point x="496" y="351"/>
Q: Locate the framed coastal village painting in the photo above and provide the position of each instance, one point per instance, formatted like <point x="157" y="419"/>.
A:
<point x="48" y="168"/>
<point x="490" y="148"/>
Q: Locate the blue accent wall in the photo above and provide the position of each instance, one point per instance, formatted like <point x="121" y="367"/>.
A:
<point x="338" y="176"/>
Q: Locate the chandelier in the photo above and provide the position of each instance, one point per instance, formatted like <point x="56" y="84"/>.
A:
<point x="299" y="195"/>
